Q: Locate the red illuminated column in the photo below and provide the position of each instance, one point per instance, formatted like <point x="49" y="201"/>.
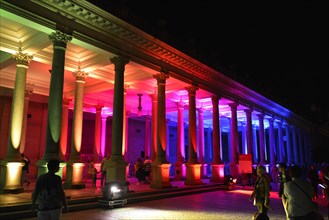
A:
<point x="193" y="167"/>
<point x="154" y="99"/>
<point x="65" y="121"/>
<point x="74" y="168"/>
<point x="98" y="132"/>
<point x="160" y="167"/>
<point x="234" y="140"/>
<point x="180" y="171"/>
<point x="261" y="139"/>
<point x="201" y="143"/>
<point x="249" y="132"/>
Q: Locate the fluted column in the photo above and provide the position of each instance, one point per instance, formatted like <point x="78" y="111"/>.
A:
<point x="28" y="92"/>
<point x="74" y="168"/>
<point x="9" y="166"/>
<point x="261" y="139"/>
<point x="294" y="144"/>
<point x="64" y="129"/>
<point x="98" y="132"/>
<point x="272" y="143"/>
<point x="180" y="170"/>
<point x="116" y="167"/>
<point x="154" y="98"/>
<point x="160" y="167"/>
<point x="192" y="166"/>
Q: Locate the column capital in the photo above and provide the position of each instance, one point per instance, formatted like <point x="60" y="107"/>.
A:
<point x="191" y="90"/>
<point x="233" y="105"/>
<point x="248" y="111"/>
<point x="22" y="59"/>
<point x="180" y="105"/>
<point x="161" y="77"/>
<point x="66" y="101"/>
<point x="80" y="76"/>
<point x="98" y="107"/>
<point x="60" y="39"/>
<point x="28" y="89"/>
<point x="119" y="62"/>
<point x="215" y="99"/>
<point x="153" y="97"/>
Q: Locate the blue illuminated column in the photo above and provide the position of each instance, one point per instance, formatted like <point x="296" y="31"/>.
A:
<point x="261" y="139"/>
<point x="272" y="143"/>
<point x="280" y="143"/>
<point x="294" y="144"/>
<point x="288" y="143"/>
<point x="249" y="132"/>
<point x="234" y="140"/>
<point x="300" y="147"/>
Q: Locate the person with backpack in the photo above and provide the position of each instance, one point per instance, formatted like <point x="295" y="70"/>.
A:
<point x="49" y="193"/>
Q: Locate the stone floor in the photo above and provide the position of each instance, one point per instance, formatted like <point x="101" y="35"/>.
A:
<point x="219" y="204"/>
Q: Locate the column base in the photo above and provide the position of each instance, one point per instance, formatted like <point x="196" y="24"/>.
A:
<point x="193" y="174"/>
<point x="11" y="176"/>
<point x="160" y="175"/>
<point x="180" y="171"/>
<point x="217" y="173"/>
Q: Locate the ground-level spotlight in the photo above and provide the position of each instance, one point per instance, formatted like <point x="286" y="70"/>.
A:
<point x="114" y="195"/>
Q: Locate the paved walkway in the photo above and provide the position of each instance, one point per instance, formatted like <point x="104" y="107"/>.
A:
<point x="219" y="204"/>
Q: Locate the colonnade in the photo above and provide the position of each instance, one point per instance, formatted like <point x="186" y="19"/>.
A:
<point x="288" y="148"/>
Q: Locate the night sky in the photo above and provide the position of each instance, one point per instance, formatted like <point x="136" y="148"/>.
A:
<point x="277" y="48"/>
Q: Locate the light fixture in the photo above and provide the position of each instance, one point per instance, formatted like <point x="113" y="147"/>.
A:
<point x="139" y="112"/>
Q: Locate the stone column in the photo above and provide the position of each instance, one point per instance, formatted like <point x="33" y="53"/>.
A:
<point x="234" y="140"/>
<point x="217" y="166"/>
<point x="249" y="133"/>
<point x="280" y="143"/>
<point x="65" y="122"/>
<point x="11" y="166"/>
<point x="192" y="166"/>
<point x="201" y="143"/>
<point x="294" y="144"/>
<point x="300" y="147"/>
<point x="180" y="170"/>
<point x="116" y="167"/>
<point x="28" y="92"/>
<point x="147" y="146"/>
<point x="74" y="168"/>
<point x="55" y="98"/>
<point x="160" y="167"/>
<point x="154" y="98"/>
<point x="261" y="139"/>
<point x="272" y="144"/>
<point x="103" y="137"/>
<point x="98" y="132"/>
<point x="167" y="138"/>
<point x="289" y="153"/>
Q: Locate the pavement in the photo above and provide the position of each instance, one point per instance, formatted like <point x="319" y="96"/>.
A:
<point x="215" y="204"/>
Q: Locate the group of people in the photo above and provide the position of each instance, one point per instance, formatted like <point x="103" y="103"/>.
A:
<point x="296" y="191"/>
<point x="143" y="170"/>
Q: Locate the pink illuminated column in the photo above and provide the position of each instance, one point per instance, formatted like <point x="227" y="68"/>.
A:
<point x="249" y="132"/>
<point x="103" y="136"/>
<point x="125" y="125"/>
<point x="201" y="143"/>
<point x="147" y="146"/>
<point x="261" y="139"/>
<point x="280" y="143"/>
<point x="98" y="132"/>
<point x="28" y="92"/>
<point x="154" y="99"/>
<point x="160" y="167"/>
<point x="193" y="167"/>
<point x="216" y="130"/>
<point x="65" y="122"/>
<point x="167" y="137"/>
<point x="272" y="143"/>
<point x="234" y="140"/>
<point x="180" y="171"/>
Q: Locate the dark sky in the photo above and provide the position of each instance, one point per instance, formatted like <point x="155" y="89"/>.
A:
<point x="277" y="48"/>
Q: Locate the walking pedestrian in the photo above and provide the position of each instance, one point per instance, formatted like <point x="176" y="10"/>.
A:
<point x="25" y="169"/>
<point x="49" y="194"/>
<point x="103" y="169"/>
<point x="283" y="178"/>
